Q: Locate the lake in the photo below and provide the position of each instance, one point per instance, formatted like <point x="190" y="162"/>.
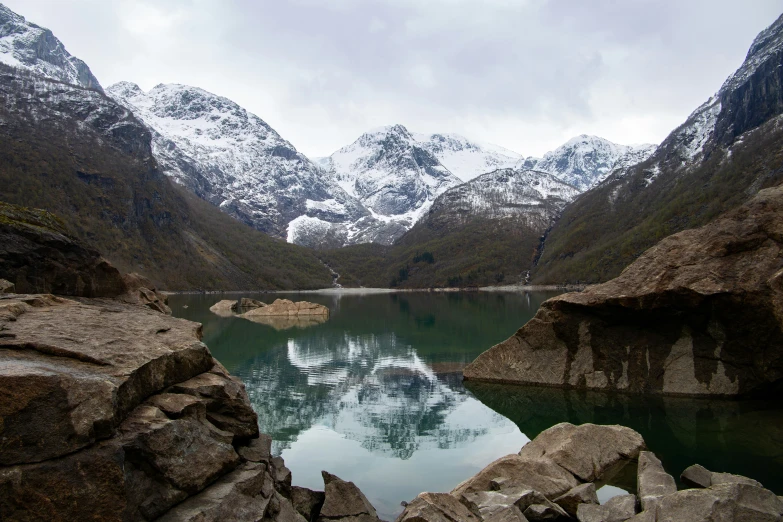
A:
<point x="375" y="395"/>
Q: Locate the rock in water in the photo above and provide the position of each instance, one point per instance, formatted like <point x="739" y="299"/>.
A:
<point x="345" y="502"/>
<point x="224" y="308"/>
<point x="697" y="314"/>
<point x="285" y="307"/>
<point x="39" y="255"/>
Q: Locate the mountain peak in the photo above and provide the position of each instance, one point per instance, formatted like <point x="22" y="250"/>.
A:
<point x="28" y="46"/>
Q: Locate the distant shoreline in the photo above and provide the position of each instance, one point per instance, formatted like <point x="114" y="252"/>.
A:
<point x="369" y="291"/>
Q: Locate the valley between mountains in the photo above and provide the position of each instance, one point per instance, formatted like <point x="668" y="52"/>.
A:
<point x="192" y="190"/>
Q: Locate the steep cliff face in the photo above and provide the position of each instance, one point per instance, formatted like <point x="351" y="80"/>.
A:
<point x="697" y="314"/>
<point x="28" y="46"/>
<point x="727" y="149"/>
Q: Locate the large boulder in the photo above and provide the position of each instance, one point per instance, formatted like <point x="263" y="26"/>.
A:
<point x="436" y="507"/>
<point x="38" y="255"/>
<point x="616" y="509"/>
<point x="223" y="308"/>
<point x="589" y="452"/>
<point x="140" y="290"/>
<point x="698" y="476"/>
<point x="71" y="372"/>
<point x="700" y="313"/>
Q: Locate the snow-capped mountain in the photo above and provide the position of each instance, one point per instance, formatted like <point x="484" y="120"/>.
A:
<point x="391" y="173"/>
<point x="585" y="161"/>
<point x="27" y="46"/>
<point x="467" y="159"/>
<point x="532" y="196"/>
<point x="233" y="159"/>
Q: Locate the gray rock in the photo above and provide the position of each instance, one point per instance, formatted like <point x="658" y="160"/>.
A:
<point x="82" y="369"/>
<point x="541" y="513"/>
<point x="617" y="509"/>
<point x="696" y="476"/>
<point x="653" y="481"/>
<point x="731" y="501"/>
<point x="510" y="514"/>
<point x="541" y="475"/>
<point x="224" y="308"/>
<point x="237" y="496"/>
<point x="7" y="287"/>
<point x="590" y="452"/>
<point x="344" y="501"/>
<point x="436" y="507"/>
<point x="700" y="477"/>
<point x="257" y="450"/>
<point x="307" y="502"/>
<point x="582" y="494"/>
<point x="226" y="401"/>
<point x="486" y="503"/>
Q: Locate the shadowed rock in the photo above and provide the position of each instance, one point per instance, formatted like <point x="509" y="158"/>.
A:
<point x="582" y="494"/>
<point x="697" y="314"/>
<point x="38" y="255"/>
<point x="7" y="287"/>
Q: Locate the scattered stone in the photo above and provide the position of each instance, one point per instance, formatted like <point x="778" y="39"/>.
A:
<point x="307" y="502"/>
<point x="653" y="481"/>
<point x="590" y="452"/>
<point x="436" y="507"/>
<point x="617" y="509"/>
<point x="706" y="287"/>
<point x="224" y="308"/>
<point x="343" y="500"/>
<point x="582" y="494"/>
<point x="7" y="287"/>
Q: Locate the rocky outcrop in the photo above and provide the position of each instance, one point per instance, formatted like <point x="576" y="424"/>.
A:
<point x="140" y="290"/>
<point x="115" y="411"/>
<point x="589" y="456"/>
<point x="701" y="313"/>
<point x="38" y="254"/>
<point x="287" y="308"/>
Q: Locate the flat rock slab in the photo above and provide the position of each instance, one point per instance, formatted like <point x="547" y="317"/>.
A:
<point x="590" y="452"/>
<point x="72" y="371"/>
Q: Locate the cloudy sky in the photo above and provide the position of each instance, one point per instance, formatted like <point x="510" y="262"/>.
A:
<point x="524" y="74"/>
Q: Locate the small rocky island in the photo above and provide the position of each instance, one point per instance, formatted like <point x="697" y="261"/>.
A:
<point x="282" y="314"/>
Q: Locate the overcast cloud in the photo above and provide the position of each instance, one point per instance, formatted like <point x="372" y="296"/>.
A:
<point x="524" y="74"/>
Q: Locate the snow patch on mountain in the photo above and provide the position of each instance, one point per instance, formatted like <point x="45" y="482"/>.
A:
<point x="465" y="158"/>
<point x="585" y="161"/>
<point x="234" y="159"/>
<point x="27" y="46"/>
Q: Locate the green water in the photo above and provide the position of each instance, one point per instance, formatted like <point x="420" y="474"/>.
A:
<point x="375" y="395"/>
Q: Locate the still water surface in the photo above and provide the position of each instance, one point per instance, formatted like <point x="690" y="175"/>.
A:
<point x="375" y="395"/>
